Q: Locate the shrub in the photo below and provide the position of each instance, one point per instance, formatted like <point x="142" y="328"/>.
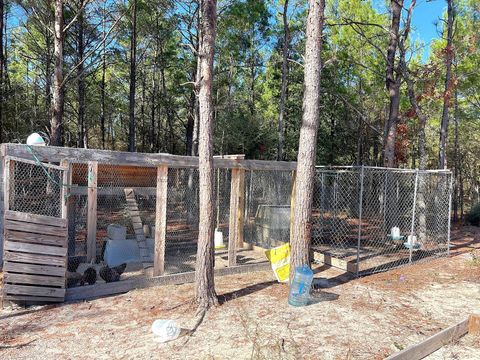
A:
<point x="473" y="217"/>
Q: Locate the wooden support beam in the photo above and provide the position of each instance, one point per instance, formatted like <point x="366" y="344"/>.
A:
<point x="65" y="190"/>
<point x="160" y="221"/>
<point x="122" y="286"/>
<point x="92" y="211"/>
<point x="56" y="154"/>
<point x="236" y="214"/>
<point x="292" y="202"/>
<point x="435" y="342"/>
<point x="474" y="324"/>
<point x="7" y="172"/>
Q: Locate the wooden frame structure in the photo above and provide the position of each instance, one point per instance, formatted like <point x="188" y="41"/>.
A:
<point x="94" y="159"/>
<point x="35" y="249"/>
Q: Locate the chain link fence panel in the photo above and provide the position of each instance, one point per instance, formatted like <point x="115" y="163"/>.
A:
<point x="355" y="209"/>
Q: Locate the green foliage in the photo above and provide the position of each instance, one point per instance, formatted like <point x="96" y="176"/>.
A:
<point x="473" y="216"/>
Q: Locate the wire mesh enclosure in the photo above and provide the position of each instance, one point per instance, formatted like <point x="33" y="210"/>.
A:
<point x="135" y="216"/>
<point x="357" y="209"/>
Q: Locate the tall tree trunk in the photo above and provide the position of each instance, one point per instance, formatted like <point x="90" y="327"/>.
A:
<point x="56" y="124"/>
<point x="205" y="294"/>
<point x="133" y="77"/>
<point x="393" y="86"/>
<point x="81" y="78"/>
<point x="48" y="70"/>
<point x="102" y="83"/>
<point x="442" y="156"/>
<point x="284" y="86"/>
<point x="302" y="226"/>
<point x="142" y="110"/>
<point x="456" y="161"/>
<point x="2" y="66"/>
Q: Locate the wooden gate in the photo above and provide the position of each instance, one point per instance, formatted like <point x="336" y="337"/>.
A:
<point x="35" y="231"/>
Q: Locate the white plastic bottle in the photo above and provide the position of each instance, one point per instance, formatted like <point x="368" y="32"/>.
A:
<point x="165" y="330"/>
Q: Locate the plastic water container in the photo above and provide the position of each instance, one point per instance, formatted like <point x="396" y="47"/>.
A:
<point x="165" y="330"/>
<point x="300" y="286"/>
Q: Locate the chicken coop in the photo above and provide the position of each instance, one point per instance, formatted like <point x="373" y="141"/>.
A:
<point x="80" y="223"/>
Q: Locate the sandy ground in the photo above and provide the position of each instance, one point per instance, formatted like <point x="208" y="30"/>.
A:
<point x="366" y="318"/>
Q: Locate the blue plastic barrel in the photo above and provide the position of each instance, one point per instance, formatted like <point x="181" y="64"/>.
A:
<point x="300" y="286"/>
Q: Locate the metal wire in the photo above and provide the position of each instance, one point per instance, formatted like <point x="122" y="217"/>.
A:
<point x="355" y="209"/>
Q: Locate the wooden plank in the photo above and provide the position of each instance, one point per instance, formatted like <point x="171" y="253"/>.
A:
<point x="292" y="203"/>
<point x="65" y="190"/>
<point x="56" y="154"/>
<point x="474" y="324"/>
<point x="433" y="343"/>
<point x="114" y="190"/>
<point x="241" y="208"/>
<point x="105" y="289"/>
<point x="34" y="162"/>
<point x="35" y="219"/>
<point x="32" y="299"/>
<point x="35" y="228"/>
<point x="132" y="208"/>
<point x="20" y="236"/>
<point x="33" y="290"/>
<point x="34" y="258"/>
<point x="327" y="259"/>
<point x="92" y="211"/>
<point x="6" y="186"/>
<point x="160" y="221"/>
<point x="34" y="269"/>
<point x="33" y="279"/>
<point x="233" y="218"/>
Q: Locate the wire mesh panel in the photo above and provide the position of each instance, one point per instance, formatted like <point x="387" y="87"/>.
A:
<point x="182" y="220"/>
<point x="35" y="189"/>
<point x="372" y="219"/>
<point x="268" y="196"/>
<point x="335" y="213"/>
<point x="388" y="197"/>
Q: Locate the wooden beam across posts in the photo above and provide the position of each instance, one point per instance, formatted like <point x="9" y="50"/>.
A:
<point x="435" y="342"/>
<point x="56" y="154"/>
<point x="160" y="221"/>
<point x="236" y="214"/>
<point x="92" y="211"/>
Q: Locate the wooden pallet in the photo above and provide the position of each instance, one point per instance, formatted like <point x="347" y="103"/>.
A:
<point x="35" y="257"/>
<point x="134" y="213"/>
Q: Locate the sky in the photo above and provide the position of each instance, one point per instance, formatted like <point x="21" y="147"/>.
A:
<point x="425" y="15"/>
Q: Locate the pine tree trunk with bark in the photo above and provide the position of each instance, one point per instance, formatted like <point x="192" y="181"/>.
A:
<point x="302" y="225"/>
<point x="133" y="78"/>
<point x="56" y="123"/>
<point x="447" y="94"/>
<point x="81" y="80"/>
<point x="284" y="86"/>
<point x="2" y="66"/>
<point x="205" y="295"/>
<point x="392" y="83"/>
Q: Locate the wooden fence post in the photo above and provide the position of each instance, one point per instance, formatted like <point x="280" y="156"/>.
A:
<point x="237" y="210"/>
<point x="160" y="221"/>
<point x="292" y="202"/>
<point x="92" y="211"/>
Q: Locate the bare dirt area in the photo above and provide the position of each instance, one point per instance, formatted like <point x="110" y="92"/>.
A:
<point x="366" y="318"/>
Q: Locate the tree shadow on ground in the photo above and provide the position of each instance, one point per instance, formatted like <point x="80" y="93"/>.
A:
<point x="223" y="298"/>
<point x="318" y="296"/>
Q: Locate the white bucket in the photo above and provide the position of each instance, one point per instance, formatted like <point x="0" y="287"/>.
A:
<point x="412" y="240"/>
<point x="395" y="232"/>
<point x="218" y="239"/>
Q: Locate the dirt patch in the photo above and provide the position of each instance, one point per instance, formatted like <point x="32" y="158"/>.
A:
<point x="366" y="318"/>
